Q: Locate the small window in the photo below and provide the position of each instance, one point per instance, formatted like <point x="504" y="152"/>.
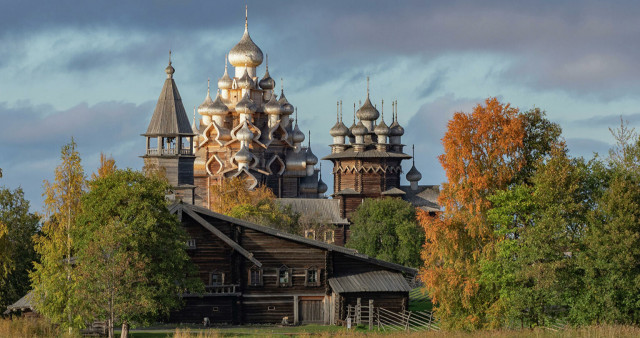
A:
<point x="215" y="309"/>
<point x="271" y="308"/>
<point x="255" y="276"/>
<point x="328" y="236"/>
<point x="216" y="279"/>
<point x="310" y="234"/>
<point x="284" y="276"/>
<point x="191" y="243"/>
<point x="312" y="277"/>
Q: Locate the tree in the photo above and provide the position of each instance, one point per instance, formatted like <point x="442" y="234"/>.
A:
<point x="540" y="138"/>
<point x="387" y="229"/>
<point x="540" y="227"/>
<point x="611" y="256"/>
<point x="483" y="151"/>
<point x="233" y="192"/>
<point x="107" y="167"/>
<point x="17" y="228"/>
<point x="130" y="245"/>
<point x="52" y="279"/>
<point x="270" y="213"/>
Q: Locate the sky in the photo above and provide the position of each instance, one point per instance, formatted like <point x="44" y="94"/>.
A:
<point x="93" y="70"/>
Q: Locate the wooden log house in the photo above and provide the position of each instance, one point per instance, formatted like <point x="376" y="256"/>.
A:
<point x="256" y="274"/>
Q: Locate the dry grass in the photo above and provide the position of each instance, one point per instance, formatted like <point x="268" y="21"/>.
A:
<point x="28" y="327"/>
<point x="584" y="332"/>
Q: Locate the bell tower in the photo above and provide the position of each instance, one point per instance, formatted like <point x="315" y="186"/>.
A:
<point x="169" y="137"/>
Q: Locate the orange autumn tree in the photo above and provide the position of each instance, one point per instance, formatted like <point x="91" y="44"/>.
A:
<point x="483" y="151"/>
<point x="234" y="192"/>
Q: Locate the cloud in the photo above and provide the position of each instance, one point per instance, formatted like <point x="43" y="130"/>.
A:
<point x="30" y="140"/>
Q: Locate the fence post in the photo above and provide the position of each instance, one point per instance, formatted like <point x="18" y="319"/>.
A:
<point x="370" y="314"/>
<point x="408" y="317"/>
<point x="430" y="318"/>
<point x="358" y="311"/>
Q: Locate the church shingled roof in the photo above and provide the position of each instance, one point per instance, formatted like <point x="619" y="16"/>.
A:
<point x="169" y="117"/>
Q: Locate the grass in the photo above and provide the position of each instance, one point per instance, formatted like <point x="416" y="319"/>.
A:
<point x="419" y="301"/>
<point x="332" y="331"/>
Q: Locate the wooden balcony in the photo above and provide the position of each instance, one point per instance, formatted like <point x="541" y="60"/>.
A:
<point x="169" y="152"/>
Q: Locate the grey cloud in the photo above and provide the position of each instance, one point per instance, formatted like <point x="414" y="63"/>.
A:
<point x="586" y="147"/>
<point x="611" y="121"/>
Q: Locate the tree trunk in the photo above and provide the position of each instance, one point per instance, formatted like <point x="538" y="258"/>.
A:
<point x="110" y="327"/>
<point x="125" y="330"/>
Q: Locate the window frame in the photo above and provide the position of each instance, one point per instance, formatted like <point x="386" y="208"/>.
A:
<point x="215" y="272"/>
<point x="307" y="275"/>
<point x="289" y="273"/>
<point x="259" y="271"/>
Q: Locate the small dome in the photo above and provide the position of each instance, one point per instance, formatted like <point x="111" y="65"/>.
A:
<point x="246" y="106"/>
<point x="169" y="70"/>
<point x="311" y="158"/>
<point x="246" y="82"/>
<point x="243" y="155"/>
<point x="272" y="107"/>
<point x="287" y="108"/>
<point x="339" y="129"/>
<point x="414" y="175"/>
<point x="297" y="135"/>
<point x="225" y="82"/>
<point x="219" y="108"/>
<point x="207" y="107"/>
<point x="267" y="82"/>
<point x="246" y="52"/>
<point x="381" y="129"/>
<point x="359" y="129"/>
<point x="244" y="134"/>
<point x="396" y="129"/>
<point x="322" y="187"/>
<point x="368" y="112"/>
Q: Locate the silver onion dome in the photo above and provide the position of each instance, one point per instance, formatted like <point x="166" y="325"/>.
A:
<point x="245" y="81"/>
<point x="359" y="129"/>
<point x="246" y="106"/>
<point x="169" y="70"/>
<point x="396" y="129"/>
<point x="339" y="129"/>
<point x="219" y="108"/>
<point x="368" y="112"/>
<point x="414" y="175"/>
<point x="225" y="82"/>
<point x="311" y="158"/>
<point x="244" y="134"/>
<point x="207" y="107"/>
<point x="246" y="52"/>
<point x="243" y="155"/>
<point x="381" y="129"/>
<point x="322" y="187"/>
<point x="287" y="108"/>
<point x="272" y="107"/>
<point x="298" y="135"/>
<point x="267" y="82"/>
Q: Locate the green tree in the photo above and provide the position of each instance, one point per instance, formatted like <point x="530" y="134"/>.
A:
<point x="611" y="259"/>
<point x="19" y="228"/>
<point x="540" y="137"/>
<point x="145" y="237"/>
<point x="541" y="227"/>
<point x="52" y="279"/>
<point x="269" y="213"/>
<point x="387" y="229"/>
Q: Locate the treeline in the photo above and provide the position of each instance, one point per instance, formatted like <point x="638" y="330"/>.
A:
<point x="528" y="234"/>
<point x="108" y="248"/>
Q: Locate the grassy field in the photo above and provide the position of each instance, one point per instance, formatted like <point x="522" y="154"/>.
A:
<point x="40" y="328"/>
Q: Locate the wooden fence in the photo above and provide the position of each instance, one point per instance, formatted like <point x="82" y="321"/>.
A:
<point x="385" y="320"/>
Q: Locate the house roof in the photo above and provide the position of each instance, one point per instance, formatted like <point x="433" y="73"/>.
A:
<point x="22" y="304"/>
<point x="179" y="207"/>
<point x="320" y="209"/>
<point x="393" y="192"/>
<point x="425" y="197"/>
<point x="373" y="281"/>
